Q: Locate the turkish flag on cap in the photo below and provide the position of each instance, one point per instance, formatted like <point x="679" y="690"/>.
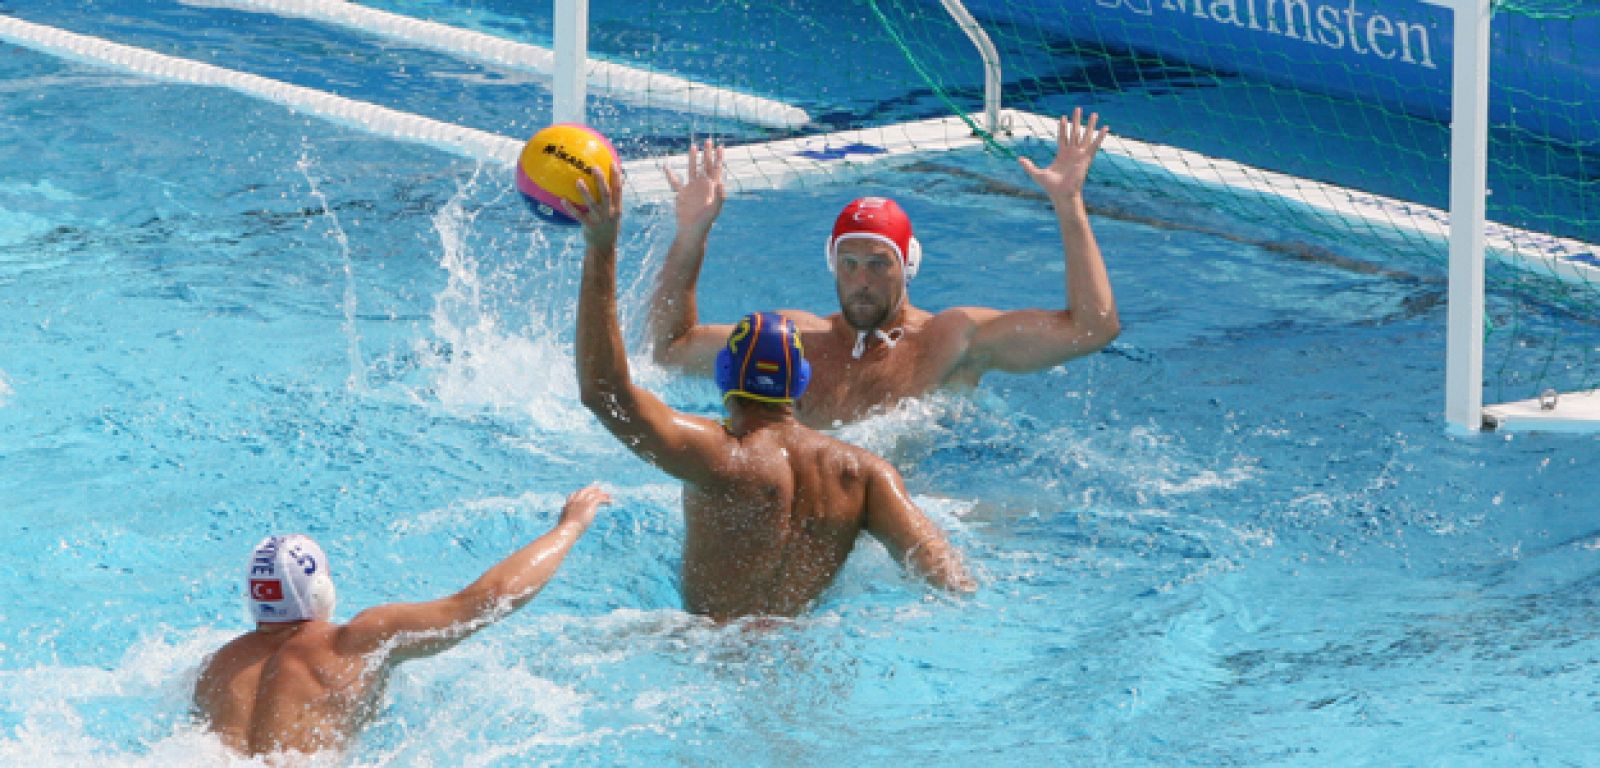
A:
<point x="266" y="589"/>
<point x="877" y="217"/>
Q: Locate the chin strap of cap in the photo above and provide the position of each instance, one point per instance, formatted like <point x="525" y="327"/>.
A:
<point x="889" y="340"/>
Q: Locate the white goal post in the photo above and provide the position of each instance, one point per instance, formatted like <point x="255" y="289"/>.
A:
<point x="1469" y="144"/>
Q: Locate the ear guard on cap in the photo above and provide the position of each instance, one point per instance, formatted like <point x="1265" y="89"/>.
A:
<point x="322" y="598"/>
<point x="910" y="262"/>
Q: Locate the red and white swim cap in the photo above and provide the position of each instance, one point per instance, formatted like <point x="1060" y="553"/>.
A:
<point x="881" y="219"/>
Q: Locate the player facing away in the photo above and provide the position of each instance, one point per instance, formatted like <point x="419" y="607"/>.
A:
<point x="299" y="683"/>
<point x="772" y="507"/>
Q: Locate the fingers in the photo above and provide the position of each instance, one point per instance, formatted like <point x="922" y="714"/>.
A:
<point x="1027" y="165"/>
<point x="592" y="495"/>
<point x="602" y="187"/>
<point x="581" y="505"/>
<point x="602" y="197"/>
<point x="704" y="162"/>
<point x="590" y="491"/>
<point x="615" y="198"/>
<point x="1074" y="133"/>
<point x="585" y="193"/>
<point x="1099" y="138"/>
<point x="693" y="169"/>
<point x="712" y="159"/>
<point x="596" y="191"/>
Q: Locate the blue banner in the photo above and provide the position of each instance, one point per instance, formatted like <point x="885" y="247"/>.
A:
<point x="1393" y="52"/>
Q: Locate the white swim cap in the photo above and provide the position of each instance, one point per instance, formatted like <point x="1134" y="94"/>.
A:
<point x="287" y="579"/>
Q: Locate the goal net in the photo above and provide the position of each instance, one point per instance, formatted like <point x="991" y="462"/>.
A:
<point x="1330" y="120"/>
<point x="1320" y="129"/>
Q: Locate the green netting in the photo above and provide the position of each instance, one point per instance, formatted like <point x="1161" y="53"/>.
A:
<point x="1543" y="177"/>
<point x="928" y="76"/>
<point x="1330" y="94"/>
<point x="1558" y="10"/>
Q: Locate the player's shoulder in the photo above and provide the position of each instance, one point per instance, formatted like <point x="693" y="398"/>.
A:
<point x="806" y="321"/>
<point x="955" y="327"/>
<point x="851" y="462"/>
<point x="959" y="316"/>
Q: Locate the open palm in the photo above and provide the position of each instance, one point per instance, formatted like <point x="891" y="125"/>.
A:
<point x="1076" y="145"/>
<point x="700" y="194"/>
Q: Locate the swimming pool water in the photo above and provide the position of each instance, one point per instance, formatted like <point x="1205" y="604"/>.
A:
<point x="1241" y="535"/>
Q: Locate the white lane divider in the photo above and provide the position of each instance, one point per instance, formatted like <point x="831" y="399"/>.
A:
<point x="375" y="119"/>
<point x="624" y="83"/>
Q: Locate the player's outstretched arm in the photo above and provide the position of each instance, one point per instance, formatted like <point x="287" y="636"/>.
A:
<point x="412" y="630"/>
<point x="678" y="339"/>
<point x="684" y="446"/>
<point x="1032" y="339"/>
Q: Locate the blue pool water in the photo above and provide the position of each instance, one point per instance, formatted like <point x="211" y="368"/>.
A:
<point x="1239" y="536"/>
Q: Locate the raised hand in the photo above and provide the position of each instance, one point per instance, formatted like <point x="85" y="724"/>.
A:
<point x="603" y="207"/>
<point x="700" y="193"/>
<point x="1076" y="145"/>
<point x="581" y="505"/>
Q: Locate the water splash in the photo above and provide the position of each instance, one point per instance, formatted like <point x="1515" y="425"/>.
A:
<point x="357" y="380"/>
<point x="478" y="359"/>
<point x="907" y="431"/>
<point x="503" y="325"/>
<point x="62" y="708"/>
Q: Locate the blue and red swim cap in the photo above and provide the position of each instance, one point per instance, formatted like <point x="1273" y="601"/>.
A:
<point x="763" y="360"/>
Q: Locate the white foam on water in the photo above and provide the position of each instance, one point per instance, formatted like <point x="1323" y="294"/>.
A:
<point x="947" y="512"/>
<point x="357" y="379"/>
<point x="529" y="690"/>
<point x="148" y="665"/>
<point x="42" y="189"/>
<point x="1192" y="480"/>
<point x="1155" y="465"/>
<point x="477" y="361"/>
<point x="908" y="428"/>
<point x="63" y="742"/>
<point x="461" y="705"/>
<point x="156" y="672"/>
<point x="5" y="390"/>
<point x="478" y="704"/>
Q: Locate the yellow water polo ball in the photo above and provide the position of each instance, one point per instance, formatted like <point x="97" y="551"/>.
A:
<point x="554" y="160"/>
